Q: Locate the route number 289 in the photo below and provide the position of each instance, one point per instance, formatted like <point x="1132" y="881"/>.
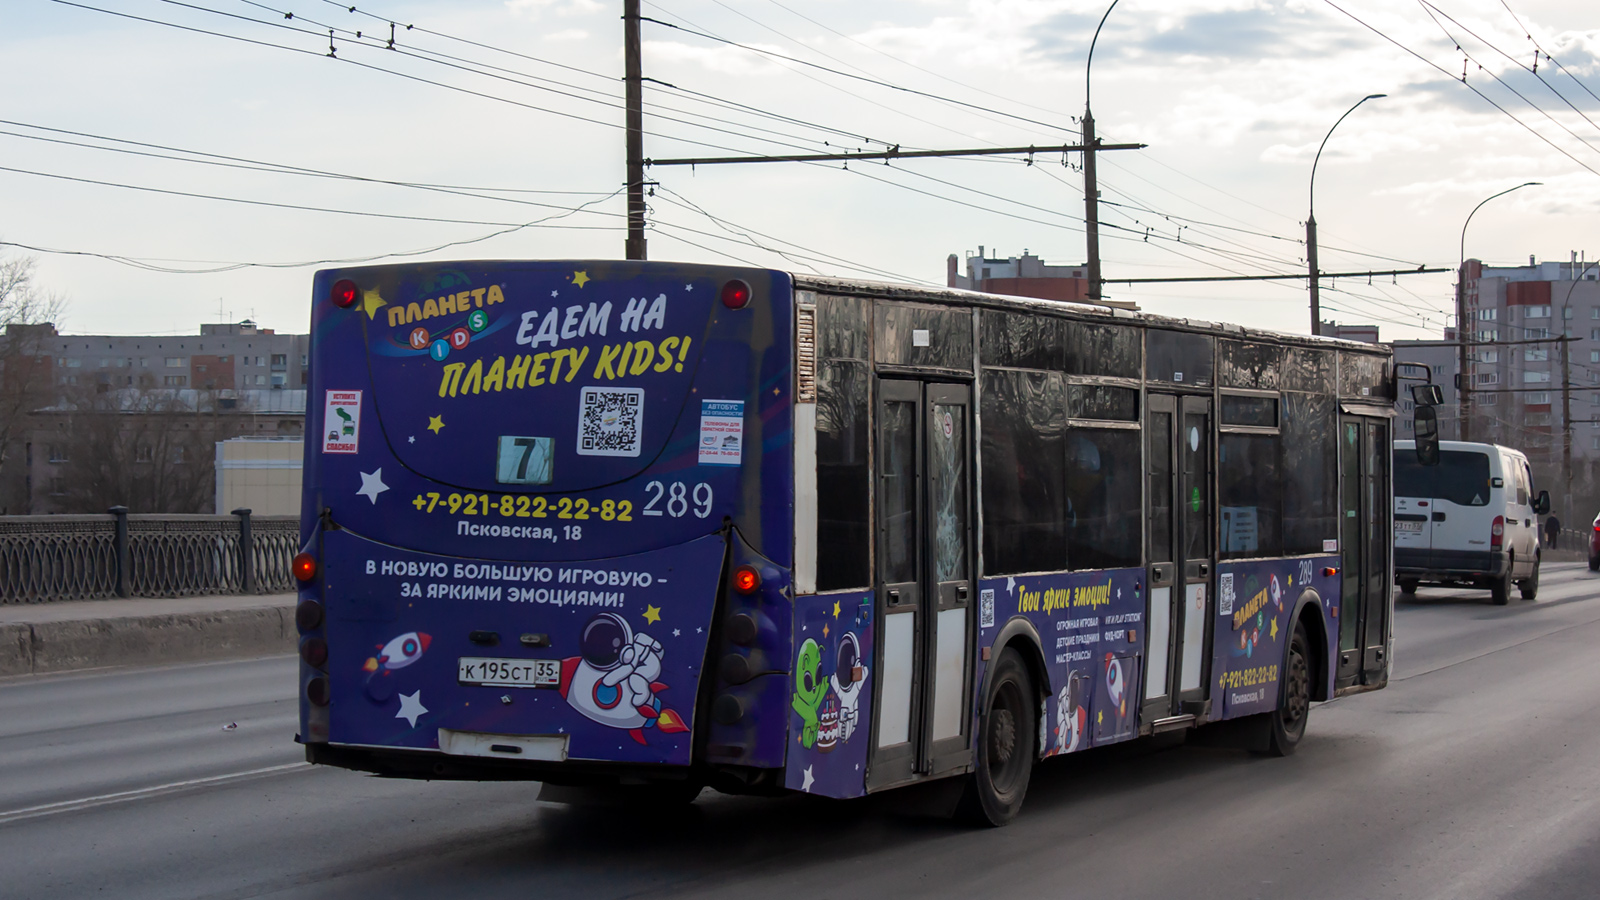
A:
<point x="677" y="499"/>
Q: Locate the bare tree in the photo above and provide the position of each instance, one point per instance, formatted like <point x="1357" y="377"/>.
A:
<point x="27" y="373"/>
<point x="151" y="451"/>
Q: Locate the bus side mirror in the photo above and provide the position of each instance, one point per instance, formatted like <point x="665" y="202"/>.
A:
<point x="1426" y="427"/>
<point x="1541" y="505"/>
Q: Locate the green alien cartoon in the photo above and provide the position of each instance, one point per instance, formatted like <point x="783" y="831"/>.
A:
<point x="808" y="690"/>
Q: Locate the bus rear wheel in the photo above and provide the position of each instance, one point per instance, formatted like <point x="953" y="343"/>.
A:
<point x="1006" y="750"/>
<point x="1288" y="722"/>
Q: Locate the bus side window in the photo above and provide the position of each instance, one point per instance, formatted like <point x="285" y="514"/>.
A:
<point x="844" y="479"/>
<point x="1024" y="452"/>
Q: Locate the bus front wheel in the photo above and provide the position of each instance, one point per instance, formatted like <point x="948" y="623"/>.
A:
<point x="1288" y="722"/>
<point x="1006" y="749"/>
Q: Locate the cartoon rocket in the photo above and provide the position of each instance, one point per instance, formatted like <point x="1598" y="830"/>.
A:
<point x="1071" y="717"/>
<point x="847" y="679"/>
<point x="398" y="653"/>
<point x="613" y="681"/>
<point x="1116" y="686"/>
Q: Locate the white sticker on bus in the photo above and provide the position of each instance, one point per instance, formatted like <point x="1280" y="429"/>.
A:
<point x="341" y="422"/>
<point x="721" y="432"/>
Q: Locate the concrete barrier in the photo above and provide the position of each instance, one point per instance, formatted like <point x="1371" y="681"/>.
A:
<point x="191" y="636"/>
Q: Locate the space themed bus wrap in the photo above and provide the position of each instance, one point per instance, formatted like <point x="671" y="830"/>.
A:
<point x="657" y="526"/>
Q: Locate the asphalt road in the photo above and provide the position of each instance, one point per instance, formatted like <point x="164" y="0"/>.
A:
<point x="1472" y="775"/>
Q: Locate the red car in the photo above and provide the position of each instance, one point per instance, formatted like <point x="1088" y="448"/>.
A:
<point x="1594" y="546"/>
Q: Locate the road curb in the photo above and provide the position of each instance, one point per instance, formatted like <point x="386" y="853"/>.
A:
<point x="65" y="646"/>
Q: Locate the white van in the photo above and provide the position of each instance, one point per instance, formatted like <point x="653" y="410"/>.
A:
<point x="1471" y="519"/>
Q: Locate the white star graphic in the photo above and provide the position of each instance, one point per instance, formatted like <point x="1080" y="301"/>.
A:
<point x="675" y="632"/>
<point x="412" y="439"/>
<point x="555" y="293"/>
<point x="699" y="630"/>
<point x="805" y="784"/>
<point x="411" y="707"/>
<point x="372" y="485"/>
<point x="688" y="287"/>
<point x="1011" y="584"/>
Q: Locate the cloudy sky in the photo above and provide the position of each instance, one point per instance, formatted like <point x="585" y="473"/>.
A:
<point x="183" y="138"/>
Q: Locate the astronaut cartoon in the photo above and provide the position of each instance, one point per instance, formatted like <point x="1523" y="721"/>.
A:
<point x="809" y="688"/>
<point x="847" y="679"/>
<point x="613" y="681"/>
<point x="1071" y="717"/>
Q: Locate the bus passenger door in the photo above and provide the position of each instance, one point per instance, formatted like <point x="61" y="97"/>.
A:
<point x="1195" y="529"/>
<point x="1364" y="547"/>
<point x="1165" y="614"/>
<point x="1179" y="473"/>
<point x="924" y="466"/>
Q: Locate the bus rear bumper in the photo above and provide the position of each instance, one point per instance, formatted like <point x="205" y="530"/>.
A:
<point x="438" y="766"/>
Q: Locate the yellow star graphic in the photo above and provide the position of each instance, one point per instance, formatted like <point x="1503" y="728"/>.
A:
<point x="836" y="609"/>
<point x="580" y="278"/>
<point x="370" y="301"/>
<point x="1291" y="581"/>
<point x="1274" y="629"/>
<point x="652" y="614"/>
<point x="824" y="629"/>
<point x="435" y="423"/>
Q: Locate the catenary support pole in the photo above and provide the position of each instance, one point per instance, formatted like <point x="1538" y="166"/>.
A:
<point x="633" y="77"/>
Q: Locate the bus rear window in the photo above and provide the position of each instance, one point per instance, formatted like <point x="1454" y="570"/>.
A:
<point x="1461" y="477"/>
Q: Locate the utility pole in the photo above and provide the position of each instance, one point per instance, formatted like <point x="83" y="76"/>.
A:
<point x="1313" y="279"/>
<point x="1091" y="203"/>
<point x="1463" y="380"/>
<point x="1311" y="273"/>
<point x="634" y="80"/>
<point x="1566" y="394"/>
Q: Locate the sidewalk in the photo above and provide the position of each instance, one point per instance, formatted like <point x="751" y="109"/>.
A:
<point x="36" y="638"/>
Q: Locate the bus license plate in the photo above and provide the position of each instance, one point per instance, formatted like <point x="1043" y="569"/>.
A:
<point x="527" y="673"/>
<point x="1413" y="527"/>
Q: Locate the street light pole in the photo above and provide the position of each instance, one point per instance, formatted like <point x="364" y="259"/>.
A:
<point x="1566" y="395"/>
<point x="1464" y="388"/>
<point x="1091" y="183"/>
<point x="1311" y="220"/>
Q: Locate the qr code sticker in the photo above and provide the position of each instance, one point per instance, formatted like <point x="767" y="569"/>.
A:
<point x="986" y="608"/>
<point x="1225" y="588"/>
<point x="610" y="421"/>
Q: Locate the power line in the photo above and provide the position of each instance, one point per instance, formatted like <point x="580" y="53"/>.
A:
<point x="874" y="81"/>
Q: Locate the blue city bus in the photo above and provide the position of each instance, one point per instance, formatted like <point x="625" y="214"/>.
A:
<point x="647" y="527"/>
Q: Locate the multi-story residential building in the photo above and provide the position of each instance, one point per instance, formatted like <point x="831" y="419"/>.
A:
<point x="234" y="356"/>
<point x="88" y="421"/>
<point x="1535" y="334"/>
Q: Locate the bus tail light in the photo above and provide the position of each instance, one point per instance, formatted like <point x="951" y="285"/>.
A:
<point x="308" y="615"/>
<point x="736" y="294"/>
<point x="1497" y="533"/>
<point x="343" y="294"/>
<point x="305" y="566"/>
<point x="746" y="580"/>
<point x="317" y="691"/>
<point x="314" y="651"/>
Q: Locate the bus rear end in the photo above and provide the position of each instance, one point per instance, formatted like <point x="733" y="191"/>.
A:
<point x="541" y="499"/>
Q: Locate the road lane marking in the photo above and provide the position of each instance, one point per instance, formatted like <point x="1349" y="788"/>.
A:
<point x="47" y="809"/>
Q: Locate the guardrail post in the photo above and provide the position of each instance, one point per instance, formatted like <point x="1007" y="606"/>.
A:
<point x="124" y="578"/>
<point x="247" y="581"/>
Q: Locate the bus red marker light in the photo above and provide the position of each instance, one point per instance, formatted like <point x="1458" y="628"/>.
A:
<point x="727" y="710"/>
<point x="317" y="691"/>
<point x="314" y="651"/>
<point x="736" y="294"/>
<point x="344" y="293"/>
<point x="742" y="629"/>
<point x="308" y="615"/>
<point x="1497" y="532"/>
<point x="1329" y="571"/>
<point x="746" y="580"/>
<point x="305" y="567"/>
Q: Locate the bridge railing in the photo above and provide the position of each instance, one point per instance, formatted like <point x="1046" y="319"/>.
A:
<point x="85" y="557"/>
